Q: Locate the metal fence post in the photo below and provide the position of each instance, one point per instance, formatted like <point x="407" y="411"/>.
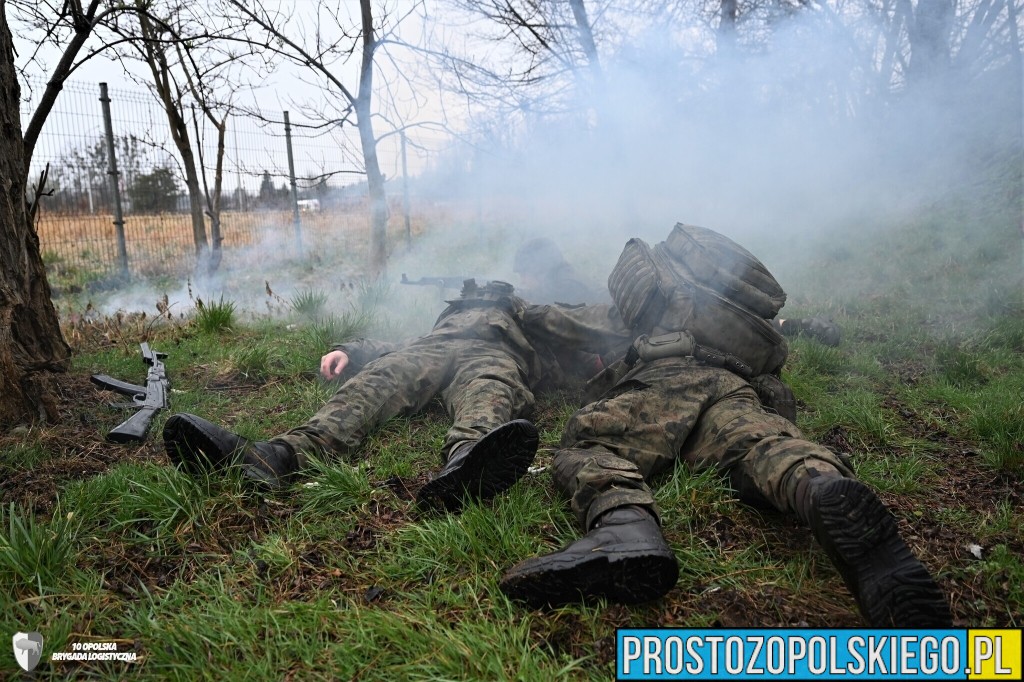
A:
<point x="405" y="193"/>
<point x="122" y="247"/>
<point x="295" y="189"/>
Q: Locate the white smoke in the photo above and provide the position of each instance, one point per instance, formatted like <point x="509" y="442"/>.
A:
<point x="788" y="144"/>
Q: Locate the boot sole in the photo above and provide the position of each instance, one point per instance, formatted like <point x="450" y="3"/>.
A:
<point x="189" y="445"/>
<point x="891" y="586"/>
<point x="497" y="461"/>
<point x="631" y="576"/>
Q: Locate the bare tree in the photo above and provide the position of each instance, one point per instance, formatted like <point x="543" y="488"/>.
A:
<point x="213" y="198"/>
<point x="154" y="50"/>
<point x="180" y="48"/>
<point x="190" y="67"/>
<point x="32" y="347"/>
<point x="554" y="66"/>
<point x="80" y="21"/>
<point x="727" y="25"/>
<point x="929" y="30"/>
<point x="328" y="57"/>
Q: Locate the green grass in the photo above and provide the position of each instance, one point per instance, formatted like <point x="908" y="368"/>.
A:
<point x="36" y="558"/>
<point x="333" y="486"/>
<point x="216" y="317"/>
<point x="341" y="577"/>
<point x="326" y="331"/>
<point x="961" y="367"/>
<point x="309" y="303"/>
<point x="999" y="423"/>
<point x="255" y="361"/>
<point x="155" y="506"/>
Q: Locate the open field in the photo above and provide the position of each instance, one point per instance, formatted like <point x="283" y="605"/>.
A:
<point x="85" y="246"/>
<point x="338" y="577"/>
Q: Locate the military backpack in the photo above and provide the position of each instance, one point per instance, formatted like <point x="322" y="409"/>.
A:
<point x="703" y="283"/>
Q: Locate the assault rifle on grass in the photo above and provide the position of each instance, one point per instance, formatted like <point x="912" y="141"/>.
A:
<point x="439" y="282"/>
<point x="150" y="398"/>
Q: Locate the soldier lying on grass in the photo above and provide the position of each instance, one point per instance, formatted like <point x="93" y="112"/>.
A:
<point x="700" y="384"/>
<point x="487" y="353"/>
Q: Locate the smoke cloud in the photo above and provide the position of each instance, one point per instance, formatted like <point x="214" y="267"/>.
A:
<point x="793" y="140"/>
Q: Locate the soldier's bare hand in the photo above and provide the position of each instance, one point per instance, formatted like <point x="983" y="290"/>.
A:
<point x="333" y="364"/>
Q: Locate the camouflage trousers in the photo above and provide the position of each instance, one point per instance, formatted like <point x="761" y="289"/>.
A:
<point x="673" y="409"/>
<point x="482" y="385"/>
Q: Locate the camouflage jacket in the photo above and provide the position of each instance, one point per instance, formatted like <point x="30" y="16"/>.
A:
<point x="557" y="343"/>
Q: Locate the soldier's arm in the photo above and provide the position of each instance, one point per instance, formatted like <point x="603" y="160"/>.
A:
<point x="591" y="328"/>
<point x="362" y="351"/>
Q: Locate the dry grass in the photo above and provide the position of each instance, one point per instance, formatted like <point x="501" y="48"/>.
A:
<point x="163" y="243"/>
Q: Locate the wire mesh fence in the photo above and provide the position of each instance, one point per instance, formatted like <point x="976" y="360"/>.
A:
<point x="261" y="200"/>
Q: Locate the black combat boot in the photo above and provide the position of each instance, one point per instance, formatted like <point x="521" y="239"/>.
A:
<point x="624" y="559"/>
<point x="479" y="470"/>
<point x="861" y="537"/>
<point x="197" y="445"/>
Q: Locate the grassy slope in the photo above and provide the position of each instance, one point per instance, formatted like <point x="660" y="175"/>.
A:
<point x="338" y="578"/>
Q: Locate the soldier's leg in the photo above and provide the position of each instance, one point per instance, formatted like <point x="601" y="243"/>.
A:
<point x="487" y="389"/>
<point x="763" y="454"/>
<point x="397" y="383"/>
<point x="612" y="447"/>
<point x="487" y="449"/>
<point x="597" y="480"/>
<point x="768" y="462"/>
<point x="608" y="449"/>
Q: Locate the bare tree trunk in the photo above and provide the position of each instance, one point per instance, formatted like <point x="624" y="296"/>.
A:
<point x="32" y="347"/>
<point x="586" y="36"/>
<point x="195" y="199"/>
<point x="727" y="27"/>
<point x="364" y="122"/>
<point x="214" y="202"/>
<point x="930" y="31"/>
<point x="1017" y="69"/>
<point x="170" y="98"/>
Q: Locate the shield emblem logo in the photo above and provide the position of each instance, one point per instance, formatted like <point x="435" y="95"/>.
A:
<point x="28" y="649"/>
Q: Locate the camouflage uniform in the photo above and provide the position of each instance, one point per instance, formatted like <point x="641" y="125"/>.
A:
<point x="700" y="388"/>
<point x="478" y="359"/>
<point x="676" y="408"/>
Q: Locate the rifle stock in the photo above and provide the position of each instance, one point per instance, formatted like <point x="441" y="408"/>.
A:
<point x="133" y="429"/>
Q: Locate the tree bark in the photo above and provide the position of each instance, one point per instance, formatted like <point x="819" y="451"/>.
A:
<point x="368" y="142"/>
<point x="930" y="31"/>
<point x="32" y="348"/>
<point x="170" y="98"/>
<point x="727" y="27"/>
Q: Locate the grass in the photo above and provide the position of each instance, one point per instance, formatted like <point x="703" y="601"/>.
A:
<point x="340" y="577"/>
<point x="309" y="303"/>
<point x="84" y="247"/>
<point x="255" y="361"/>
<point x="35" y="558"/>
<point x="213" y="318"/>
